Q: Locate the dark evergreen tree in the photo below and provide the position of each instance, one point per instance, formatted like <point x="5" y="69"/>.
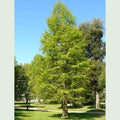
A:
<point x="93" y="32"/>
<point x="21" y="83"/>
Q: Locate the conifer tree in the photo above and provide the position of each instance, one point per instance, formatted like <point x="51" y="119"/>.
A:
<point x="64" y="48"/>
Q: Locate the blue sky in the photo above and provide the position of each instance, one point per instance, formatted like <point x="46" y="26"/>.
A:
<point x="30" y="22"/>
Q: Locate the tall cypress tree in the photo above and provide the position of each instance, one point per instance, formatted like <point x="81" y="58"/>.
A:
<point x="64" y="48"/>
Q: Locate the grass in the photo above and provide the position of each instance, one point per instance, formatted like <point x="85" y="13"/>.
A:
<point x="58" y="107"/>
<point x="21" y="114"/>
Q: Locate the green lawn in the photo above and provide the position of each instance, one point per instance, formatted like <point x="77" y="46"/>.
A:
<point x="38" y="115"/>
<point x="58" y="107"/>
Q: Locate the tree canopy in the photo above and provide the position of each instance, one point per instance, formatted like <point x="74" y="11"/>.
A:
<point x="61" y="73"/>
<point x="93" y="32"/>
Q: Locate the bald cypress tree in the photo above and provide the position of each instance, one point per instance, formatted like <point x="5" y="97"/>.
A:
<point x="64" y="48"/>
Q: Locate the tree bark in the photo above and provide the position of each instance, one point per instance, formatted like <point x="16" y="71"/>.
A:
<point x="64" y="107"/>
<point x="97" y="100"/>
<point x="27" y="104"/>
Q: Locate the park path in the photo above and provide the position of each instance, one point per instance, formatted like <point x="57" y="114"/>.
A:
<point x="38" y="109"/>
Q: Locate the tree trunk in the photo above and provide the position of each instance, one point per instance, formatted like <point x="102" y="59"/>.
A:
<point x="61" y="104"/>
<point x="64" y="107"/>
<point x="97" y="100"/>
<point x="27" y="104"/>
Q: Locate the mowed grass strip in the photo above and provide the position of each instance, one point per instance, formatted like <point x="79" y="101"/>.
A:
<point x="21" y="114"/>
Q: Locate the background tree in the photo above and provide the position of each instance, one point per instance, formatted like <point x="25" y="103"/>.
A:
<point x="21" y="82"/>
<point x="35" y="71"/>
<point x="102" y="81"/>
<point x="64" y="47"/>
<point x="27" y="87"/>
<point x="93" y="32"/>
<point x="102" y="85"/>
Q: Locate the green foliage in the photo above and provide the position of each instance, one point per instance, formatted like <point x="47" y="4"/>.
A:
<point x="93" y="32"/>
<point x="21" y="81"/>
<point x="64" y="46"/>
<point x="34" y="72"/>
<point x="102" y="84"/>
<point x="102" y="77"/>
<point x="60" y="16"/>
<point x="95" y="73"/>
<point x="62" y="69"/>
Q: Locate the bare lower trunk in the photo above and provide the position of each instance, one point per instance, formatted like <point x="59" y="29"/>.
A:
<point x="27" y="104"/>
<point x="97" y="100"/>
<point x="64" y="107"/>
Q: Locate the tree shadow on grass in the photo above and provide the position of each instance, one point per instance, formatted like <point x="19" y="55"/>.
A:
<point x="93" y="109"/>
<point x="80" y="116"/>
<point x="17" y="111"/>
<point x="25" y="105"/>
<point x="19" y="103"/>
<point x="72" y="107"/>
<point x="34" y="106"/>
<point x="96" y="110"/>
<point x="20" y="113"/>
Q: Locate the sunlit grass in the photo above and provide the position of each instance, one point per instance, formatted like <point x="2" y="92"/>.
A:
<point x="58" y="107"/>
<point x="38" y="115"/>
